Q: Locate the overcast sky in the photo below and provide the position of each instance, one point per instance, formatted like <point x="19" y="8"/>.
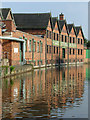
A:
<point x="74" y="12"/>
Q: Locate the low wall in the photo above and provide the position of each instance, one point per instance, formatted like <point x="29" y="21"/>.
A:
<point x="6" y="71"/>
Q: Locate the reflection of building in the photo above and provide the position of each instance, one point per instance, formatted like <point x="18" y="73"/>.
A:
<point x="38" y="92"/>
<point x="40" y="39"/>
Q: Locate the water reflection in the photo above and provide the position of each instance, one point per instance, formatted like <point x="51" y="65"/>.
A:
<point x="45" y="93"/>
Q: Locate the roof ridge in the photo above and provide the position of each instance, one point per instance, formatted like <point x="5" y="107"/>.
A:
<point x="28" y="13"/>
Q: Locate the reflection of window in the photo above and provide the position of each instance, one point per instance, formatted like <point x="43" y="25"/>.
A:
<point x="38" y="47"/>
<point x="57" y="50"/>
<point x="30" y="46"/>
<point x="70" y="51"/>
<point x="34" y="47"/>
<point x="41" y="47"/>
<point x="78" y="51"/>
<point x="57" y="37"/>
<point x="50" y="34"/>
<point x="81" y="52"/>
<point x="50" y="49"/>
<point x="63" y="75"/>
<point x="47" y="33"/>
<point x="54" y="49"/>
<point x="73" y="51"/>
<point x="47" y="48"/>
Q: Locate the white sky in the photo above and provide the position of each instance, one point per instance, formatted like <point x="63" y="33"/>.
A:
<point x="75" y="12"/>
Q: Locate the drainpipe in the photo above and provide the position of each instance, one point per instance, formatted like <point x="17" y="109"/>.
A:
<point x="52" y="48"/>
<point x="46" y="49"/>
<point x="32" y="49"/>
<point x="76" y="50"/>
<point x="68" y="49"/>
<point x="40" y="53"/>
<point x="59" y="49"/>
<point x="24" y="50"/>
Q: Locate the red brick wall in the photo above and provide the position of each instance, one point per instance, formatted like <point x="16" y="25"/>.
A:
<point x="10" y="26"/>
<point x="28" y="54"/>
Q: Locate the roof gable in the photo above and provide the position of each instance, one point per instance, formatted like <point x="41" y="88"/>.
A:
<point x="63" y="26"/>
<point x="49" y="26"/>
<point x="71" y="29"/>
<point x="4" y="12"/>
<point x="32" y="21"/>
<point x="79" y="31"/>
<point x="10" y="15"/>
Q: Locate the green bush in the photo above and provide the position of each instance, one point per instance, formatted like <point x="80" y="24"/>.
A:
<point x="11" y="68"/>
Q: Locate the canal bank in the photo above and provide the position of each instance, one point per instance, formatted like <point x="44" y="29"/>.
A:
<point x="7" y="71"/>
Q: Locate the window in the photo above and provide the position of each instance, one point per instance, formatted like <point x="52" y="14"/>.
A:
<point x="73" y="40"/>
<point x="65" y="38"/>
<point x="41" y="47"/>
<point x="81" y="51"/>
<point x="57" y="37"/>
<point x="47" y="33"/>
<point x="30" y="46"/>
<point x="70" y="51"/>
<point x="54" y="36"/>
<point x="62" y="38"/>
<point x="70" y="40"/>
<point x="50" y="35"/>
<point x="78" y="51"/>
<point x="47" y="48"/>
<point x="38" y="47"/>
<point x="54" y="49"/>
<point x="73" y="51"/>
<point x="57" y="50"/>
<point x="78" y="40"/>
<point x="34" y="47"/>
<point x="50" y="49"/>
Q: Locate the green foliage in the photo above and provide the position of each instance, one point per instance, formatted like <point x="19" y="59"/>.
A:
<point x="11" y="68"/>
<point x="88" y="44"/>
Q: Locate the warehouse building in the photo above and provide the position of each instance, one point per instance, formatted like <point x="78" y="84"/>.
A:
<point x="40" y="39"/>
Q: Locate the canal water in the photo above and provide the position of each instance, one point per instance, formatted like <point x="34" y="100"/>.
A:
<point x="46" y="93"/>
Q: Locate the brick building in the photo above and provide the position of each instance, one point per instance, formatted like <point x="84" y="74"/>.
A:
<point x="40" y="39"/>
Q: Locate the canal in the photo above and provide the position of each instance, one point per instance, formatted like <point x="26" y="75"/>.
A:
<point x="46" y="93"/>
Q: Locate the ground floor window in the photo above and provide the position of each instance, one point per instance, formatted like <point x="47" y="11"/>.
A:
<point x="63" y="53"/>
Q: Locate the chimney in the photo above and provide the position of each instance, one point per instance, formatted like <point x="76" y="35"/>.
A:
<point x="61" y="16"/>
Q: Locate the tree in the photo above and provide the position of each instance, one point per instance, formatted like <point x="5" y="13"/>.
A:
<point x="88" y="44"/>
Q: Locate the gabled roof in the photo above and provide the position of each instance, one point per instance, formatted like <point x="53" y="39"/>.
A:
<point x="70" y="26"/>
<point x="77" y="30"/>
<point x="54" y="20"/>
<point x="61" y="24"/>
<point x="4" y="12"/>
<point x="32" y="21"/>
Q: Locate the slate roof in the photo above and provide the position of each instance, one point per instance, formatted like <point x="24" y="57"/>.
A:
<point x="4" y="12"/>
<point x="32" y="21"/>
<point x="61" y="22"/>
<point x="70" y="27"/>
<point x="54" y="19"/>
<point x="77" y="30"/>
